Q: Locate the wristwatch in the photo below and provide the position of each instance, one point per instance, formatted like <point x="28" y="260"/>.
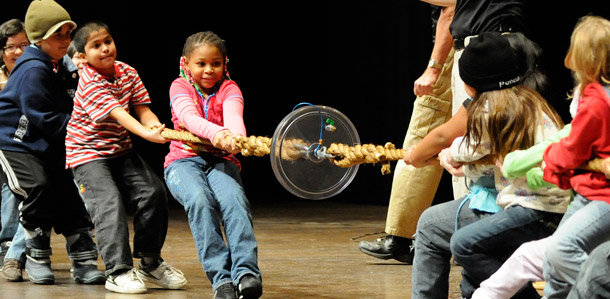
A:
<point x="432" y="63"/>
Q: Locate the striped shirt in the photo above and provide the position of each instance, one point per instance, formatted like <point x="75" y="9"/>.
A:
<point x="92" y="134"/>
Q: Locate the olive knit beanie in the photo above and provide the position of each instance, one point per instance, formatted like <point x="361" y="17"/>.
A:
<point x="43" y="18"/>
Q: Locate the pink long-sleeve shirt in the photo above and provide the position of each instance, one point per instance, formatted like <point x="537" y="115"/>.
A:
<point x="204" y="117"/>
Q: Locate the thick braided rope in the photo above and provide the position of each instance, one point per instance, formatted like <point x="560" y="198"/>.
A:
<point x="345" y="155"/>
<point x="250" y="146"/>
<point x="253" y="145"/>
<point x="348" y="156"/>
<point x="185" y="136"/>
<point x="596" y="165"/>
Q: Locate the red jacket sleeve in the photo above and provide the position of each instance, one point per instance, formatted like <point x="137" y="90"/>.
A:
<point x="589" y="137"/>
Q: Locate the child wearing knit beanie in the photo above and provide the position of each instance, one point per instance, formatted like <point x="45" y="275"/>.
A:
<point x="35" y="107"/>
<point x="503" y="116"/>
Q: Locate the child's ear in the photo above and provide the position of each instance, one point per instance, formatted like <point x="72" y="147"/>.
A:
<point x="186" y="63"/>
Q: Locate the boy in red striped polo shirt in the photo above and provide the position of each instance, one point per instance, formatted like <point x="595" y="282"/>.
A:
<point x="107" y="170"/>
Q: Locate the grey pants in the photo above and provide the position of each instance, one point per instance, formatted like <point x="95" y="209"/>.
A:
<point x="106" y="186"/>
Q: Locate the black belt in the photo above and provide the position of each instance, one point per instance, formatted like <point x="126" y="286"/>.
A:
<point x="458" y="44"/>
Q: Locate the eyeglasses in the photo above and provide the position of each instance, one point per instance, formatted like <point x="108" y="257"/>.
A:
<point x="13" y="48"/>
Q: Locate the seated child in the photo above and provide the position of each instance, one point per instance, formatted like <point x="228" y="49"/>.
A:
<point x="499" y="122"/>
<point x="110" y="173"/>
<point x="586" y="223"/>
<point x="438" y="223"/>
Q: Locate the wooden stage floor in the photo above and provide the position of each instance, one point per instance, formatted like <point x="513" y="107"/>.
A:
<point x="307" y="249"/>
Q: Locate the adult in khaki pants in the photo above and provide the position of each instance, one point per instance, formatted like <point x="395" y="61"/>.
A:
<point x="413" y="188"/>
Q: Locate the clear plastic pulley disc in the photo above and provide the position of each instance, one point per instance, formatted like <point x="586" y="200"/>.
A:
<point x="300" y="162"/>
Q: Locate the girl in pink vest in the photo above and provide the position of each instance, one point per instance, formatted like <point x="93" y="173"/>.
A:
<point x="206" y="180"/>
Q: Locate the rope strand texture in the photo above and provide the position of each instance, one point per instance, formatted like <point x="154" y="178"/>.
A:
<point x="250" y="146"/>
<point x="345" y="156"/>
<point x="348" y="156"/>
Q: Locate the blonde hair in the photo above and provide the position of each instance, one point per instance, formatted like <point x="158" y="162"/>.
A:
<point x="510" y="117"/>
<point x="589" y="53"/>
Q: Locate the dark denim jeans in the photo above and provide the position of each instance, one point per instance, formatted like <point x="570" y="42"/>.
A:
<point x="106" y="185"/>
<point x="431" y="264"/>
<point x="482" y="247"/>
<point x="212" y="195"/>
<point x="593" y="280"/>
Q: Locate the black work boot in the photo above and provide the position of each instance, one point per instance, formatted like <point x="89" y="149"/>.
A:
<point x="38" y="252"/>
<point x="82" y="251"/>
<point x="249" y="287"/>
<point x="225" y="291"/>
<point x="389" y="247"/>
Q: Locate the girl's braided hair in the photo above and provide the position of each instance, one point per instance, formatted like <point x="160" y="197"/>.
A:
<point x="202" y="38"/>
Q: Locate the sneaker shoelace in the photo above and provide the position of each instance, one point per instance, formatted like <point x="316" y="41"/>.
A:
<point x="168" y="270"/>
<point x="134" y="275"/>
<point x="11" y="263"/>
<point x="380" y="240"/>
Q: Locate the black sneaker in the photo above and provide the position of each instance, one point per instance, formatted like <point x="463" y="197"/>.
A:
<point x="249" y="287"/>
<point x="225" y="291"/>
<point x="389" y="247"/>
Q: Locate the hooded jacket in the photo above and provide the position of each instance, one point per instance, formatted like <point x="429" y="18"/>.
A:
<point x="36" y="104"/>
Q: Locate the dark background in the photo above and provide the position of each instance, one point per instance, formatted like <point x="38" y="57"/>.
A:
<point x="359" y="57"/>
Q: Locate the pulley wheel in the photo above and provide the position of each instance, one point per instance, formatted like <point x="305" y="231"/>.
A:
<point x="300" y="162"/>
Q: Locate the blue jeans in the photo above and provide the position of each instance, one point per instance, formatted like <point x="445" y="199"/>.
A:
<point x="10" y="214"/>
<point x="106" y="185"/>
<point x="585" y="226"/>
<point x="431" y="263"/>
<point x="482" y="247"/>
<point x="17" y="249"/>
<point x="593" y="280"/>
<point x="211" y="192"/>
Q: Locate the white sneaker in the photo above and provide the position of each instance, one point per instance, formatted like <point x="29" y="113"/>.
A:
<point x="164" y="275"/>
<point x="126" y="283"/>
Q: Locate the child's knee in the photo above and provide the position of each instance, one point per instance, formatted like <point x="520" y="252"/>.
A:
<point x="156" y="192"/>
<point x="559" y="254"/>
<point x="459" y="245"/>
